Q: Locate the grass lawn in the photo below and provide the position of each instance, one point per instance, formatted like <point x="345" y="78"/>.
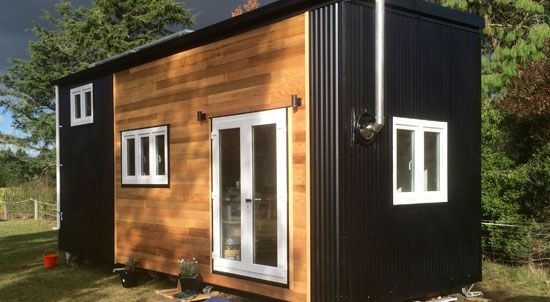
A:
<point x="514" y="283"/>
<point x="23" y="277"/>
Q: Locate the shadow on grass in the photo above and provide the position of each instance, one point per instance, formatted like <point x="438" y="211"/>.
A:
<point x="24" y="278"/>
<point x="22" y="252"/>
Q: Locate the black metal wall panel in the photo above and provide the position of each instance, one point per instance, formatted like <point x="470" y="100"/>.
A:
<point x="87" y="176"/>
<point x="385" y="252"/>
<point x="325" y="74"/>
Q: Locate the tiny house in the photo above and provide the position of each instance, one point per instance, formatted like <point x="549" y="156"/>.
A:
<point x="304" y="151"/>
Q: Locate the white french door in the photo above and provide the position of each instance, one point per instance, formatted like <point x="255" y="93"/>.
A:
<point x="249" y="194"/>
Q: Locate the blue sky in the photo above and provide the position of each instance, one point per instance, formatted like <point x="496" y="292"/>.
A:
<point x="5" y="122"/>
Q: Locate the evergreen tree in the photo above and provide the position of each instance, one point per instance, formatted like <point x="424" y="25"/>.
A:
<point x="515" y="147"/>
<point x="78" y="37"/>
<point x="15" y="168"/>
<point x="515" y="33"/>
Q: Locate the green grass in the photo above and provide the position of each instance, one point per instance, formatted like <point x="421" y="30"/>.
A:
<point x="23" y="277"/>
<point x="515" y="283"/>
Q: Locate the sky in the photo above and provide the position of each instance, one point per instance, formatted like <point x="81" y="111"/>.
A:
<point x="16" y="16"/>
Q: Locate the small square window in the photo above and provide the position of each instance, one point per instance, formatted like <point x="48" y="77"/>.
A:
<point x="82" y="105"/>
<point x="144" y="156"/>
<point x="419" y="161"/>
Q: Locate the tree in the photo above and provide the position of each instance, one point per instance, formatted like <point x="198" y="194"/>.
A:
<point x="528" y="93"/>
<point x="515" y="164"/>
<point x="526" y="123"/>
<point x="245" y="7"/>
<point x="515" y="32"/>
<point x="16" y="167"/>
<point x="78" y="37"/>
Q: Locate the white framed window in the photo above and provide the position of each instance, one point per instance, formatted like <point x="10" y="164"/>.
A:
<point x="419" y="161"/>
<point x="82" y="105"/>
<point x="145" y="156"/>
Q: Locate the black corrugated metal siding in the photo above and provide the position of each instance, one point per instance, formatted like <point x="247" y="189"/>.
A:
<point x="363" y="247"/>
<point x="325" y="74"/>
<point x="87" y="176"/>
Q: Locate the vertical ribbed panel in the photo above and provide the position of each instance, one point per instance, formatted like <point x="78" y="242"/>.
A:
<point x="391" y="253"/>
<point x="363" y="247"/>
<point x="87" y="176"/>
<point x="324" y="127"/>
<point x="361" y="181"/>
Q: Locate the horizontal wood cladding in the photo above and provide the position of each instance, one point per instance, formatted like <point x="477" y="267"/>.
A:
<point x="256" y="70"/>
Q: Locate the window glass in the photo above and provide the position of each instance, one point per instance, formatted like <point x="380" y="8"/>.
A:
<point x="431" y="161"/>
<point x="144" y="155"/>
<point x="230" y="181"/>
<point x="419" y="161"/>
<point x="77" y="106"/>
<point x="264" y="186"/>
<point x="405" y="162"/>
<point x="161" y="161"/>
<point x="82" y="105"/>
<point x="88" y="103"/>
<point x="131" y="156"/>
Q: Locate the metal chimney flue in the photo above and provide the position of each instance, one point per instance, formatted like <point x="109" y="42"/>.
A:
<point x="369" y="131"/>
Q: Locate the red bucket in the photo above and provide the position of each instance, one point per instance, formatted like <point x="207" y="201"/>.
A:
<point x="50" y="259"/>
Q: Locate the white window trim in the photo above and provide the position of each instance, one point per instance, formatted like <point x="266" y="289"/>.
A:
<point x="152" y="178"/>
<point x="245" y="267"/>
<point x="418" y="195"/>
<point x="81" y="90"/>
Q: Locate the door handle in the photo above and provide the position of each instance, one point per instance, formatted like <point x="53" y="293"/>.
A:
<point x="257" y="199"/>
<point x="248" y="200"/>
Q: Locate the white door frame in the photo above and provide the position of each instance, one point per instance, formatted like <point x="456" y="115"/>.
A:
<point x="245" y="266"/>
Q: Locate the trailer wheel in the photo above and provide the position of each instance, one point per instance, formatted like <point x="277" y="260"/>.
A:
<point x="173" y="278"/>
<point x="153" y="274"/>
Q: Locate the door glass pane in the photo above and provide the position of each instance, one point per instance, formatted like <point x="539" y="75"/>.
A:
<point x="144" y="155"/>
<point x="161" y="160"/>
<point x="131" y="157"/>
<point x="230" y="188"/>
<point x="405" y="160"/>
<point x="264" y="178"/>
<point x="77" y="106"/>
<point x="88" y="103"/>
<point x="431" y="161"/>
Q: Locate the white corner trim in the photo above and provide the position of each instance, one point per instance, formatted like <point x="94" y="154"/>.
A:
<point x="58" y="162"/>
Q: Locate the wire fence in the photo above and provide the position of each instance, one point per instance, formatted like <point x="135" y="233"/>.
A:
<point x="517" y="243"/>
<point x="29" y="208"/>
<point x="14" y="206"/>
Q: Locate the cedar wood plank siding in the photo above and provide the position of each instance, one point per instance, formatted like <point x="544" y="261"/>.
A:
<point x="253" y="71"/>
